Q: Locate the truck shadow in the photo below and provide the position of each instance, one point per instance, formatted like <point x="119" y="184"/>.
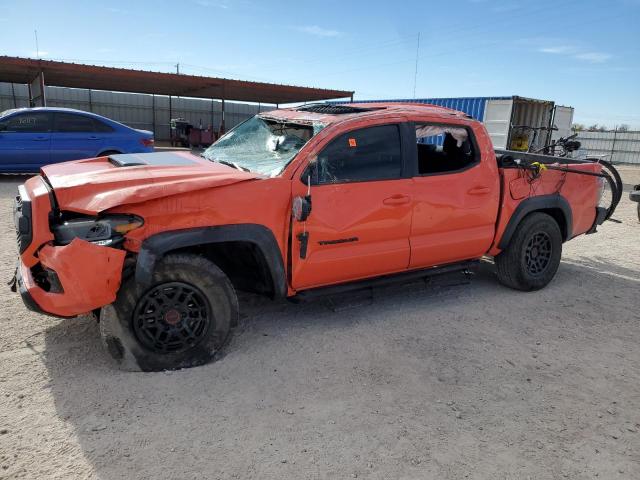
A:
<point x="129" y="424"/>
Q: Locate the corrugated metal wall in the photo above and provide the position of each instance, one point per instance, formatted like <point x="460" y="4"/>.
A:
<point x="618" y="147"/>
<point x="533" y="114"/>
<point x="136" y="109"/>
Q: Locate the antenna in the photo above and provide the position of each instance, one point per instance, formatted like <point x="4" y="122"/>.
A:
<point x="415" y="75"/>
<point x="35" y="32"/>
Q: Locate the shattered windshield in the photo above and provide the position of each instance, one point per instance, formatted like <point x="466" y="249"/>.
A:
<point x="262" y="145"/>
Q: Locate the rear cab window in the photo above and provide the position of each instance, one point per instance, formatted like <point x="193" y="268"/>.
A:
<point x="367" y="154"/>
<point x="444" y="148"/>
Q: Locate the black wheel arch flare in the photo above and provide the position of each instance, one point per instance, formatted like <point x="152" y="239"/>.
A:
<point x="156" y="246"/>
<point x="541" y="203"/>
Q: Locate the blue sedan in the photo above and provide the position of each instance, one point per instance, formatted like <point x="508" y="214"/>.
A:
<point x="33" y="137"/>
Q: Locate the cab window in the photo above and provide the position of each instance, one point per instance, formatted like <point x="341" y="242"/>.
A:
<point x="367" y="154"/>
<point x="444" y="148"/>
<point x="36" y="122"/>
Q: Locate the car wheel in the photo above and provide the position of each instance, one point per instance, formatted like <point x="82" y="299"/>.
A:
<point x="531" y="259"/>
<point x="182" y="320"/>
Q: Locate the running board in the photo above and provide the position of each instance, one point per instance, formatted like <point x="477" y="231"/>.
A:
<point x="463" y="267"/>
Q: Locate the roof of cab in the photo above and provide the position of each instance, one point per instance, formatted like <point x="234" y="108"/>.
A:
<point x="309" y="114"/>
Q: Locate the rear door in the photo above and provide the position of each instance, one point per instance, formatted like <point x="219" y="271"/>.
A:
<point x="497" y="120"/>
<point x="456" y="194"/>
<point x="25" y="141"/>
<point x="361" y="210"/>
<point x="562" y="120"/>
<point x="75" y="136"/>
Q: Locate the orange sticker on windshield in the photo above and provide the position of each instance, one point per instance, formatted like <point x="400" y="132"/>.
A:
<point x="352" y="142"/>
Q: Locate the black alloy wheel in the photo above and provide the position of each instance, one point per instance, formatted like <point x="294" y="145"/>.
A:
<point x="171" y="317"/>
<point x="537" y="254"/>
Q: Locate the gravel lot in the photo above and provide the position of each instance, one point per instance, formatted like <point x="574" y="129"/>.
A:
<point x="449" y="381"/>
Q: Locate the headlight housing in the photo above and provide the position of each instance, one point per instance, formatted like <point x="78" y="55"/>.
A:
<point x="106" y="230"/>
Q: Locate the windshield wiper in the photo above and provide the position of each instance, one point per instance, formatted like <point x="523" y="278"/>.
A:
<point x="228" y="164"/>
<point x="234" y="165"/>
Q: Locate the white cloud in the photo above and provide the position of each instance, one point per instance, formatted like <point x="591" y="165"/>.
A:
<point x="211" y="3"/>
<point x="41" y="53"/>
<point x="318" y="31"/>
<point x="119" y="11"/>
<point x="576" y="52"/>
<point x="559" y="50"/>
<point x="593" y="57"/>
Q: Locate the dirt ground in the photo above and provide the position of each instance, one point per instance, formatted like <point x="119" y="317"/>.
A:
<point x="448" y="381"/>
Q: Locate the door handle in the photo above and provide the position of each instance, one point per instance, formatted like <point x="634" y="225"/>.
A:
<point x="40" y="139"/>
<point x="479" y="191"/>
<point x="397" y="200"/>
<point x="93" y="137"/>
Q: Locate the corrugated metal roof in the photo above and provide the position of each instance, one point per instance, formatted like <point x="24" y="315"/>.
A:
<point x="63" y="74"/>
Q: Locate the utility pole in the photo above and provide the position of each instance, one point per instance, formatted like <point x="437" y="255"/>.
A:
<point x="35" y="32"/>
<point x="415" y="75"/>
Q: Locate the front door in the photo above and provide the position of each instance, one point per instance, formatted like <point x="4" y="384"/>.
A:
<point x="361" y="210"/>
<point x="25" y="141"/>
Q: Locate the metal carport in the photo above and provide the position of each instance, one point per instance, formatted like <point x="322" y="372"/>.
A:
<point x="37" y="73"/>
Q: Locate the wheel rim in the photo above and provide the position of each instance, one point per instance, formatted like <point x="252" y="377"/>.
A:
<point x="171" y="317"/>
<point x="537" y="255"/>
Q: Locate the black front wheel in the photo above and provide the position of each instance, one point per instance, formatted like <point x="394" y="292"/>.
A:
<point x="182" y="320"/>
<point x="532" y="257"/>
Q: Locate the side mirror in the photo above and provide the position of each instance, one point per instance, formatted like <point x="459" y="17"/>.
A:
<point x="301" y="208"/>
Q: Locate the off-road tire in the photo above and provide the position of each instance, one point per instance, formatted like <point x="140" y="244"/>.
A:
<point x="217" y="301"/>
<point x="519" y="265"/>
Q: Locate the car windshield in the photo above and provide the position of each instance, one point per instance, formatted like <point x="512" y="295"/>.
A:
<point x="7" y="112"/>
<point x="262" y="145"/>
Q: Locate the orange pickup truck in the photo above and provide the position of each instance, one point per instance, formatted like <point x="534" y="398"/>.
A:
<point x="291" y="203"/>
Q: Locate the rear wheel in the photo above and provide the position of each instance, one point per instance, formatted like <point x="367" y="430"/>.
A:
<point x="182" y="320"/>
<point x="531" y="259"/>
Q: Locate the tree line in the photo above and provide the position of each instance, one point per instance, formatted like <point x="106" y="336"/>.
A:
<point x="580" y="127"/>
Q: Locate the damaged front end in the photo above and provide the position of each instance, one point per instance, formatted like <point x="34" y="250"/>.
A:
<point x="69" y="264"/>
<point x="72" y="279"/>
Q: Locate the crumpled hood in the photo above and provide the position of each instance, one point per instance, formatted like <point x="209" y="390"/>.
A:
<point x="98" y="184"/>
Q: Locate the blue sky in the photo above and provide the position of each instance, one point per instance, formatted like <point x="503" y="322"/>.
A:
<point x="583" y="53"/>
